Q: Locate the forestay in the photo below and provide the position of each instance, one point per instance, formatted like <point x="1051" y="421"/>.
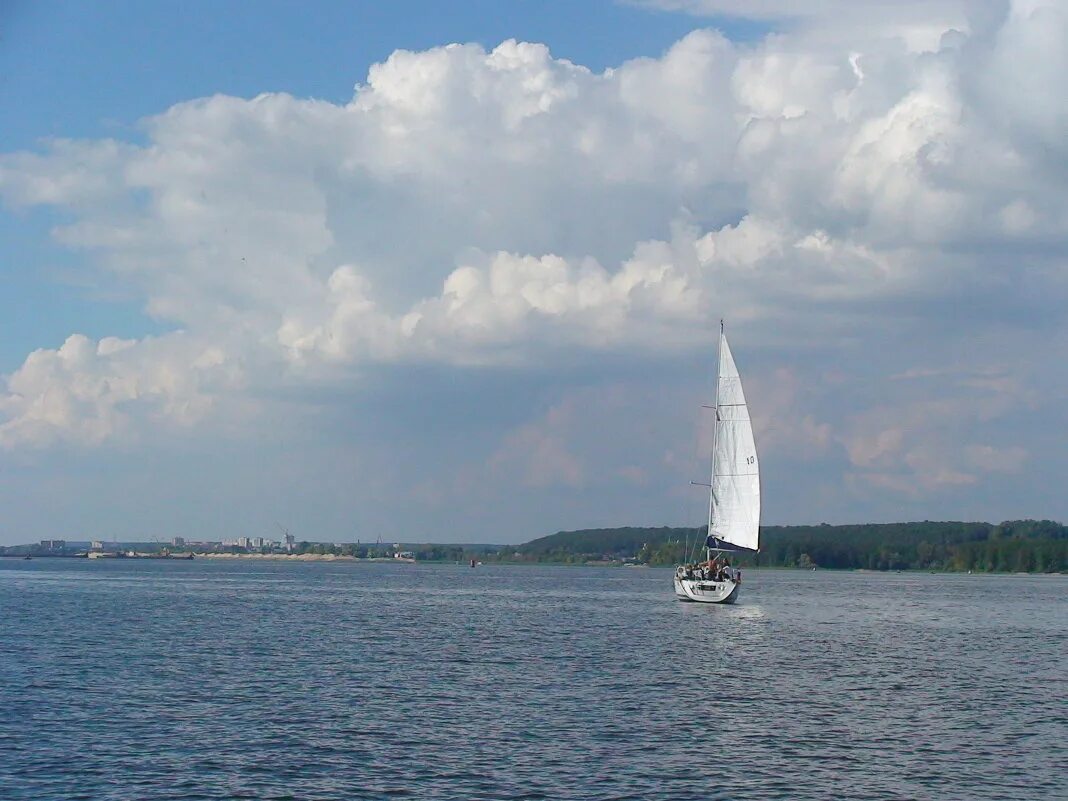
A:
<point x="734" y="506"/>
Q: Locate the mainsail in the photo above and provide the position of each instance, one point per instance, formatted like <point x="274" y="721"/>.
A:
<point x="734" y="504"/>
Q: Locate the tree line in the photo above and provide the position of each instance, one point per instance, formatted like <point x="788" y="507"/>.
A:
<point x="1013" y="546"/>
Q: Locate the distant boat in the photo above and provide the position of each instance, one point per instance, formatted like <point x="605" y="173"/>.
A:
<point x="734" y="494"/>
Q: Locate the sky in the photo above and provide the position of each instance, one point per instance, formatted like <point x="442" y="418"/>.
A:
<point x="453" y="272"/>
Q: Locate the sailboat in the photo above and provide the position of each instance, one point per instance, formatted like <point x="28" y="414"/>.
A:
<point x="734" y="493"/>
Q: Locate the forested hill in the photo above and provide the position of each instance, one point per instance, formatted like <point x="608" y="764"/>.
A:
<point x="1018" y="545"/>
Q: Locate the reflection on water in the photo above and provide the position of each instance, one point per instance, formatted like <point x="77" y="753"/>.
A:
<point x="196" y="680"/>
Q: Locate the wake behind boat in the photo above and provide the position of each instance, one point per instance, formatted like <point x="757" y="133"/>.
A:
<point x="734" y="494"/>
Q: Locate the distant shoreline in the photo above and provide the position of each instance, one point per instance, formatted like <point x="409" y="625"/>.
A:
<point x="314" y="557"/>
<point x="301" y="557"/>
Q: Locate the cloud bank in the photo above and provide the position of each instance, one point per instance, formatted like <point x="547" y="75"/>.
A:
<point x="507" y="210"/>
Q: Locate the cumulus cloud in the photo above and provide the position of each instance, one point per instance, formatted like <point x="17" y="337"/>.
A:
<point x="507" y="208"/>
<point x="85" y="391"/>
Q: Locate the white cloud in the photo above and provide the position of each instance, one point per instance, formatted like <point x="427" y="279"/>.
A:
<point x="499" y="208"/>
<point x="89" y="392"/>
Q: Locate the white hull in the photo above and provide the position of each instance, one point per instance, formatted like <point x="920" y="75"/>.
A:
<point x="706" y="591"/>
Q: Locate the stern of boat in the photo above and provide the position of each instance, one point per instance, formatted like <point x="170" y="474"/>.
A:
<point x="707" y="591"/>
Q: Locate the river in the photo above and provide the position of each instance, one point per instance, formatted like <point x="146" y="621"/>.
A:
<point x="140" y="680"/>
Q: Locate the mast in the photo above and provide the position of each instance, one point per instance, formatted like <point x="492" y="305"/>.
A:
<point x="715" y="431"/>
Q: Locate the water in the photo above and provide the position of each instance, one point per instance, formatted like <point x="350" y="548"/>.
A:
<point x="210" y="680"/>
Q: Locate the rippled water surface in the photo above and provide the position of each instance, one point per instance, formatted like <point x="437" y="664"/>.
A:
<point x="209" y="680"/>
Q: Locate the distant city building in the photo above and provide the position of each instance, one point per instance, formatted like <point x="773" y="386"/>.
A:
<point x="178" y="542"/>
<point x="291" y="541"/>
<point x="54" y="545"/>
<point x="97" y="545"/>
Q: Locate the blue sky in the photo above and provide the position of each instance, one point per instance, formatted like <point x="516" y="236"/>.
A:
<point x="277" y="262"/>
<point x="111" y="64"/>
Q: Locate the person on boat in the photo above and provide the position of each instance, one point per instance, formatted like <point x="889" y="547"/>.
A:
<point x="715" y="568"/>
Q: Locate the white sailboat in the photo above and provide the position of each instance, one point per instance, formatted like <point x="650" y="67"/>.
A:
<point x="734" y="493"/>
